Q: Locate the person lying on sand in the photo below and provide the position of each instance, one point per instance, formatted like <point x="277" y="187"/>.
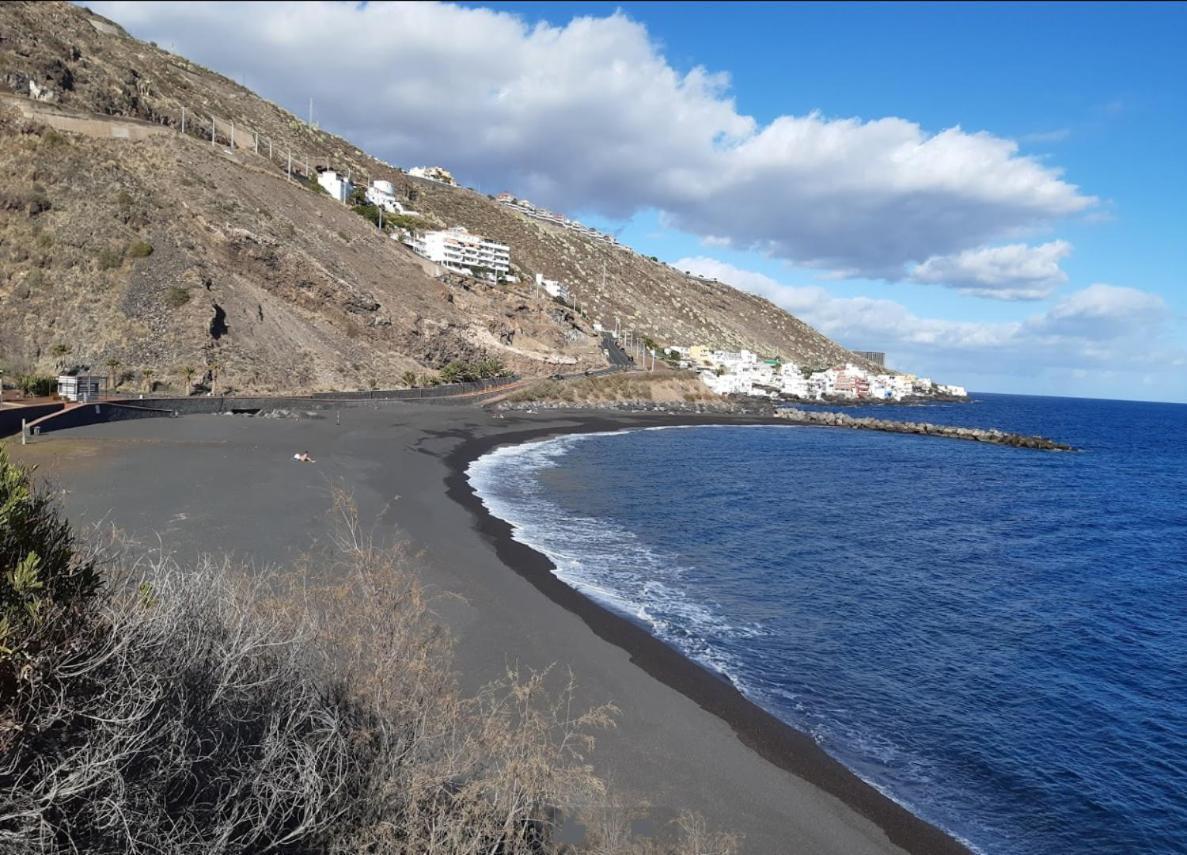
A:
<point x="303" y="457"/>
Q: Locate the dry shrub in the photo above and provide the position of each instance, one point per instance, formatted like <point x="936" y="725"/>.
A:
<point x="202" y="710"/>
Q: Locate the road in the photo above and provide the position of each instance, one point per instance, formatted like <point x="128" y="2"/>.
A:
<point x="614" y="353"/>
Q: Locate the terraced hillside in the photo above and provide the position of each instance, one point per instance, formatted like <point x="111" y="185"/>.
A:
<point x="128" y="243"/>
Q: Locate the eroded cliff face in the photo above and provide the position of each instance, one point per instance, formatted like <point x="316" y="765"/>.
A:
<point x="125" y="240"/>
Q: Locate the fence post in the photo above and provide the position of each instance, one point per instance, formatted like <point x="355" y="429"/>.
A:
<point x="290" y="167"/>
<point x="213" y="132"/>
<point x="232" y="136"/>
<point x="24" y="433"/>
<point x="183" y="119"/>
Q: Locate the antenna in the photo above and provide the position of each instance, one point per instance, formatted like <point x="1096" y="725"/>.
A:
<point x="311" y="111"/>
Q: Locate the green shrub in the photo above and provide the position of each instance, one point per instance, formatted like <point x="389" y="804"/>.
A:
<point x="36" y="385"/>
<point x="461" y="371"/>
<point x="176" y="297"/>
<point x="138" y="249"/>
<point x="367" y="212"/>
<point x="109" y="258"/>
<point x="44" y="582"/>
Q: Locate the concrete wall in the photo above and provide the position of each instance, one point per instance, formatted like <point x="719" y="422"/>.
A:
<point x="93" y="414"/>
<point x="442" y="391"/>
<point x="10" y="417"/>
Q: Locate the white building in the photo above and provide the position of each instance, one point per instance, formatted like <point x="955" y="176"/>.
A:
<point x="954" y="391"/>
<point x="726" y="384"/>
<point x="458" y="250"/>
<point x="433" y="173"/>
<point x="81" y="388"/>
<point x="382" y="194"/>
<point x="334" y="184"/>
<point x="792" y="381"/>
<point x="553" y="288"/>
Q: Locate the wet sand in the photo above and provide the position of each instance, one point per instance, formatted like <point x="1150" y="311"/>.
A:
<point x="686" y="739"/>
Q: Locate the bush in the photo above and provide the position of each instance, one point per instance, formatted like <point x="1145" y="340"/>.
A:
<point x="109" y="258"/>
<point x="37" y="385"/>
<point x="176" y="297"/>
<point x="461" y="371"/>
<point x="46" y="585"/>
<point x="32" y="199"/>
<point x="138" y="249"/>
<point x="181" y="711"/>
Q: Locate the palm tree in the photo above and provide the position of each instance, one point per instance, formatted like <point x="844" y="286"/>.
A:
<point x="188" y="372"/>
<point x="147" y="373"/>
<point x="112" y="364"/>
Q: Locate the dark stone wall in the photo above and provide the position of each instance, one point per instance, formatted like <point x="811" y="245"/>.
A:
<point x="93" y="414"/>
<point x="10" y="418"/>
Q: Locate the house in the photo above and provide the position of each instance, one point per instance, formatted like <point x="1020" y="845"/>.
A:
<point x="336" y="185"/>
<point x="457" y="250"/>
<point x="382" y="194"/>
<point x="433" y="173"/>
<point x="80" y="387"/>
<point x="726" y="384"/>
<point x="792" y="381"/>
<point x="556" y="290"/>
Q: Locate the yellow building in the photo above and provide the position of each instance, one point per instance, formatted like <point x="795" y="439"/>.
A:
<point x="700" y="354"/>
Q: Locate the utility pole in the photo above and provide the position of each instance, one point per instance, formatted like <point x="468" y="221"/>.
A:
<point x="311" y="112"/>
<point x="256" y="137"/>
<point x="183" y="120"/>
<point x="213" y="132"/>
<point x="232" y="136"/>
<point x="290" y="166"/>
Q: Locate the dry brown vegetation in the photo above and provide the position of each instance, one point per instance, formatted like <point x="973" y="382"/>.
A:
<point x="622" y="388"/>
<point x="177" y="710"/>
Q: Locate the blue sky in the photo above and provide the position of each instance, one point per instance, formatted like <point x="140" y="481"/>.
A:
<point x="806" y="152"/>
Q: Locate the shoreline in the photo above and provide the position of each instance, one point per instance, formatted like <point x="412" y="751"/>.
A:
<point x="760" y="731"/>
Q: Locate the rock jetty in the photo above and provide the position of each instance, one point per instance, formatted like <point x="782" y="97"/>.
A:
<point x="991" y="435"/>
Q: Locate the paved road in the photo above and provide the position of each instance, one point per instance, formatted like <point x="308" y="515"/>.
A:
<point x="616" y="354"/>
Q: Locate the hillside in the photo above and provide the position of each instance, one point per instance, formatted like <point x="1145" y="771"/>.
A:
<point x="126" y="240"/>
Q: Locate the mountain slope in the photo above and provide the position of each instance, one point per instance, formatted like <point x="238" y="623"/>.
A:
<point x="253" y="278"/>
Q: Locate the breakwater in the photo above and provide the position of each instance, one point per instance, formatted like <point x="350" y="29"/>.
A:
<point x="990" y="435"/>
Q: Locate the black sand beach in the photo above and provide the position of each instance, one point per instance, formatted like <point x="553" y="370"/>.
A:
<point x="686" y="739"/>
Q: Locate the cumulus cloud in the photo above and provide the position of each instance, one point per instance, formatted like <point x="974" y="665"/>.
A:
<point x="1012" y="272"/>
<point x="1101" y="326"/>
<point x="591" y="116"/>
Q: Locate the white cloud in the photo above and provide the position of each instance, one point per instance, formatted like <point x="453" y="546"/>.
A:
<point x="591" y="116"/>
<point x="1101" y="327"/>
<point x="1012" y="272"/>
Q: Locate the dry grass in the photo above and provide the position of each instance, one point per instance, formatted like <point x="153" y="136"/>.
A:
<point x="317" y="711"/>
<point x="633" y="387"/>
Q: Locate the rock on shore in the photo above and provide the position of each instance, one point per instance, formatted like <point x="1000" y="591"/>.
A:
<point x="991" y="435"/>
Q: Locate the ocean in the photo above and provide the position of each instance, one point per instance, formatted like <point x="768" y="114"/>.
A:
<point x="994" y="637"/>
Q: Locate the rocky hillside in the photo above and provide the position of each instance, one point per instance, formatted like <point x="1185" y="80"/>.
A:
<point x="127" y="242"/>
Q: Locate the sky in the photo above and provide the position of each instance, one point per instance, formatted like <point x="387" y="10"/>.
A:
<point x="993" y="194"/>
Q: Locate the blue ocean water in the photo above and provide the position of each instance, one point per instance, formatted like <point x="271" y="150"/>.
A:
<point x="995" y="637"/>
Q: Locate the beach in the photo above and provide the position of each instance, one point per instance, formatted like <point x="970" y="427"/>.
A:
<point x="685" y="740"/>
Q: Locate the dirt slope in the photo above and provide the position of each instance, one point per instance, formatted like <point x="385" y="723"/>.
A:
<point x="253" y="280"/>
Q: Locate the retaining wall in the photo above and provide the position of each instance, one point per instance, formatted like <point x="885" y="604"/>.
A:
<point x="10" y="417"/>
<point x="93" y="414"/>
